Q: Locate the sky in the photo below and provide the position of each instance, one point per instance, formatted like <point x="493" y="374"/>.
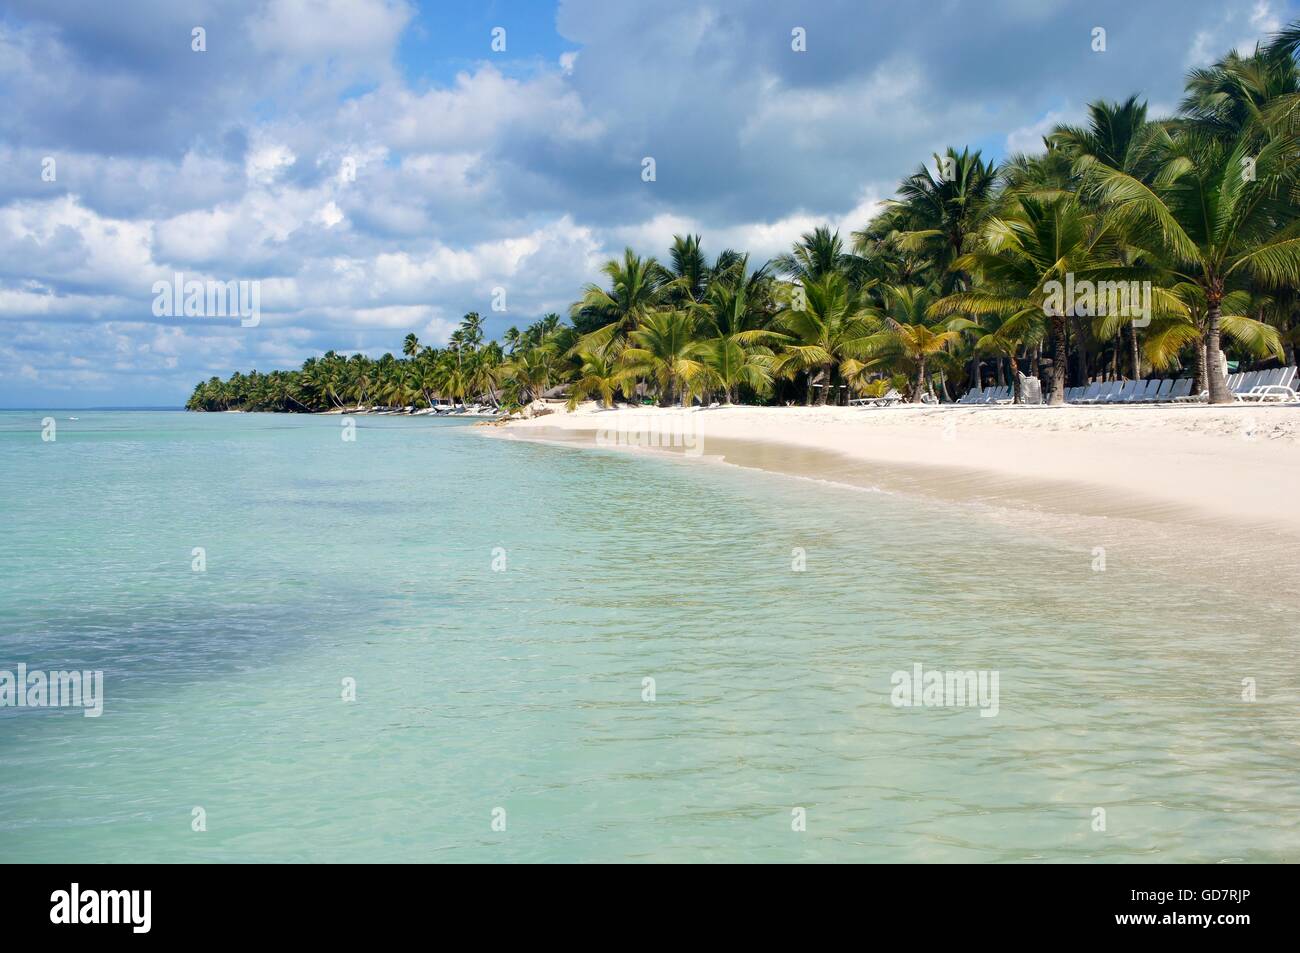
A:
<point x="379" y="167"/>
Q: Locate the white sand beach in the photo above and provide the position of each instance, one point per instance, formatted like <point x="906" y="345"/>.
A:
<point x="1232" y="466"/>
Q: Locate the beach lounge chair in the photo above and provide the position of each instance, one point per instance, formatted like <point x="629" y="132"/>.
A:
<point x="1145" y="392"/>
<point x="1105" y="391"/>
<point x="1119" y="391"/>
<point x="1182" y="392"/>
<point x="1258" y="381"/>
<point x="885" y="400"/>
<point x="1278" y="385"/>
<point x="1089" y="394"/>
<point x="1162" y="393"/>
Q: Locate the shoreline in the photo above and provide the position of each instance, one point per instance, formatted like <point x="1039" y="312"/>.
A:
<point x="1227" y="469"/>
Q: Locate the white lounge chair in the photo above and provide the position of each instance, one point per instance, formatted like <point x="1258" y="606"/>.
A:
<point x="1089" y="394"/>
<point x="1105" y="393"/>
<point x="1277" y="385"/>
<point x="1162" y="393"/>
<point x="884" y="400"/>
<point x="1145" y="392"/>
<point x="1119" y="391"/>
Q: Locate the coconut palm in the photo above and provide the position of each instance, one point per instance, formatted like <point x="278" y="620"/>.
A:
<point x="1215" y="225"/>
<point x="637" y="288"/>
<point x="944" y="211"/>
<point x="727" y="365"/>
<point x="1118" y="136"/>
<point x="907" y="335"/>
<point x="600" y="375"/>
<point x="1031" y="243"/>
<point x="818" y="338"/>
<point x="664" y="347"/>
<point x="1174" y="329"/>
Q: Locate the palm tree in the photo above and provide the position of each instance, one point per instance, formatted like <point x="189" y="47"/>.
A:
<point x="663" y="347"/>
<point x="1031" y="243"/>
<point x="1117" y="136"/>
<point x="598" y="375"/>
<point x="411" y="345"/>
<point x="938" y="216"/>
<point x="1243" y="94"/>
<point x="828" y="330"/>
<point x="942" y="213"/>
<point x="688" y="272"/>
<point x="815" y="255"/>
<point x="727" y="365"/>
<point x="907" y="334"/>
<point x="532" y="371"/>
<point x="637" y="288"/>
<point x="471" y="330"/>
<point x="1010" y="334"/>
<point x="1215" y="225"/>
<point x="1177" y="327"/>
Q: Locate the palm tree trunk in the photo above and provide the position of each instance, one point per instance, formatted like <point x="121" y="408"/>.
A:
<point x="1059" y="358"/>
<point x="1134" y="353"/>
<point x="1219" y="393"/>
<point x="808" y="395"/>
<point x="1018" y="396"/>
<point x="919" y="388"/>
<point x="1080" y="354"/>
<point x="1200" y="380"/>
<point x="826" y="386"/>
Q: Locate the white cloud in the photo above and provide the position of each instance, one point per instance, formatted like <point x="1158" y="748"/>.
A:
<point x="1029" y="139"/>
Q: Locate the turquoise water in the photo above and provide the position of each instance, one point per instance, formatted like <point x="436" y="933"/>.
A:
<point x="522" y="689"/>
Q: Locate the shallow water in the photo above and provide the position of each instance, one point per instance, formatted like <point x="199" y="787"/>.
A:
<point x="522" y="689"/>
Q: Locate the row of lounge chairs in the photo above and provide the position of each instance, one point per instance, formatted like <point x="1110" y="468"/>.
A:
<point x="1258" y="386"/>
<point x="1278" y="384"/>
<point x="988" y="395"/>
<point x="1130" y="392"/>
<point x="1275" y="384"/>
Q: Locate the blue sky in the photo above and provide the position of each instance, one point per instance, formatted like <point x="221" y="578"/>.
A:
<point x="478" y="169"/>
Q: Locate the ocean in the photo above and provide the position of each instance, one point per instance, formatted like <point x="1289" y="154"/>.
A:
<point x="422" y="644"/>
